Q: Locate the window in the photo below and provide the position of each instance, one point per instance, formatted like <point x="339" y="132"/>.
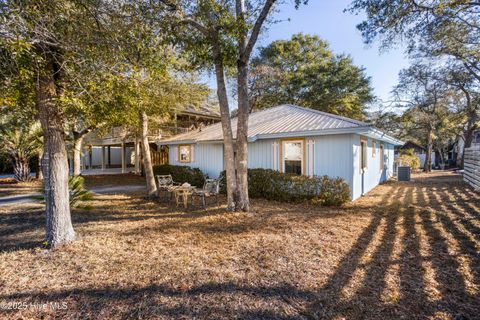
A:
<point x="374" y="148"/>
<point x="382" y="157"/>
<point x="363" y="154"/>
<point x="292" y="151"/>
<point x="184" y="153"/>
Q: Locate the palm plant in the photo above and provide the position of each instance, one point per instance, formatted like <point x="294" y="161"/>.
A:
<point x="20" y="143"/>
<point x="77" y="189"/>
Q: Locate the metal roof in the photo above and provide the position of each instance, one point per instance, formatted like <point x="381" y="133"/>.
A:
<point x="281" y="121"/>
<point x="202" y="110"/>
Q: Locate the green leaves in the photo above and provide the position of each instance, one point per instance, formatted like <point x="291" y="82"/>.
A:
<point x="305" y="71"/>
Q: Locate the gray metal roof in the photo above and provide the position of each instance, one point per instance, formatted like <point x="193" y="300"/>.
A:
<point x="281" y="121"/>
<point x="202" y="110"/>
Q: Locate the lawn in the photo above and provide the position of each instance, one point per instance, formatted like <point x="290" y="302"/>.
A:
<point x="9" y="187"/>
<point x="405" y="250"/>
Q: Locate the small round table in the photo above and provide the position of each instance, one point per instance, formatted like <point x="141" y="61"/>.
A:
<point x="184" y="193"/>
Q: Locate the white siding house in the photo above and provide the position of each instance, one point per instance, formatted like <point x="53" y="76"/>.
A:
<point x="293" y="139"/>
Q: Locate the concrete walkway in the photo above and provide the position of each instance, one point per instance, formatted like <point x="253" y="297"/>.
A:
<point x="33" y="197"/>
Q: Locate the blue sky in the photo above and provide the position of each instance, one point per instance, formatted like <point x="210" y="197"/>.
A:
<point x="326" y="19"/>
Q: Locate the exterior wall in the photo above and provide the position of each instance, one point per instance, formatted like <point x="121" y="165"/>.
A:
<point x="206" y="157"/>
<point x="115" y="156"/>
<point x="260" y="154"/>
<point x="333" y="155"/>
<point x="373" y="175"/>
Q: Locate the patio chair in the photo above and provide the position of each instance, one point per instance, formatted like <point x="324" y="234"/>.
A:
<point x="165" y="185"/>
<point x="211" y="188"/>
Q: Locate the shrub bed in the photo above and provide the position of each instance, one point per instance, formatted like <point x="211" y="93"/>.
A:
<point x="273" y="185"/>
<point x="181" y="174"/>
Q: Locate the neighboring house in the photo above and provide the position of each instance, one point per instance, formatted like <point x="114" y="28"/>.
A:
<point x="420" y="152"/>
<point x="293" y="139"/>
<point x="118" y="148"/>
<point x="476" y="138"/>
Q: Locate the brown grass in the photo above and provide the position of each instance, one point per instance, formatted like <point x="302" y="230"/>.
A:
<point x="10" y="187"/>
<point x="405" y="250"/>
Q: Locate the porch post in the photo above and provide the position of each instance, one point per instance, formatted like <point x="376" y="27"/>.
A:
<point x="90" y="157"/>
<point x="137" y="155"/>
<point x="109" y="162"/>
<point x="123" y="157"/>
<point x="103" y="157"/>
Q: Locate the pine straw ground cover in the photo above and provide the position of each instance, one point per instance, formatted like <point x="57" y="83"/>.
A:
<point x="9" y="187"/>
<point x="406" y="250"/>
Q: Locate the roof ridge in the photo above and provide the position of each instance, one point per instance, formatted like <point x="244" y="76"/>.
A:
<point x="336" y="116"/>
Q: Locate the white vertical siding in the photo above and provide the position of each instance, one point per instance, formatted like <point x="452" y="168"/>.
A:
<point x="207" y="157"/>
<point x="333" y="156"/>
<point x="260" y="154"/>
<point x="374" y="174"/>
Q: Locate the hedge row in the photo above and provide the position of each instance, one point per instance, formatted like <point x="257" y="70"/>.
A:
<point x="273" y="185"/>
<point x="181" y="174"/>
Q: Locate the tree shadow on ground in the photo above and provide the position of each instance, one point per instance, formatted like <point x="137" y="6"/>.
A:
<point x="417" y="258"/>
<point x="444" y="281"/>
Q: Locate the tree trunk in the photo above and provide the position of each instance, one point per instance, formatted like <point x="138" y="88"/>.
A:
<point x="77" y="154"/>
<point x="228" y="146"/>
<point x="137" y="155"/>
<point x="147" y="160"/>
<point x="39" y="174"/>
<point x="59" y="229"/>
<point x="427" y="167"/>
<point x="243" y="113"/>
<point x="21" y="169"/>
<point x="242" y="137"/>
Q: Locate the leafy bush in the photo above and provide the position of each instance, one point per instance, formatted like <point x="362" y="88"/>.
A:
<point x="273" y="185"/>
<point x="181" y="174"/>
<point x="77" y="190"/>
<point x="407" y="157"/>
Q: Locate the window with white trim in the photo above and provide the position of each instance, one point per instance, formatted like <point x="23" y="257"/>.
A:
<point x="293" y="156"/>
<point x="382" y="156"/>
<point x="363" y="154"/>
<point x="184" y="153"/>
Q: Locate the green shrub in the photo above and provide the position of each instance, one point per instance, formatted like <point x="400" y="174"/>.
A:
<point x="181" y="174"/>
<point x="77" y="190"/>
<point x="407" y="157"/>
<point x="273" y="185"/>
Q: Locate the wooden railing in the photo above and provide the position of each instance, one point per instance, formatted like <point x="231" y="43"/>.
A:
<point x="471" y="173"/>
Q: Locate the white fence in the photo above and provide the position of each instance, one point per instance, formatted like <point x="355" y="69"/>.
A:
<point x="472" y="167"/>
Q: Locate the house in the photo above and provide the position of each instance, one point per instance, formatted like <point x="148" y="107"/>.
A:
<point x="420" y="152"/>
<point x="117" y="149"/>
<point x="298" y="140"/>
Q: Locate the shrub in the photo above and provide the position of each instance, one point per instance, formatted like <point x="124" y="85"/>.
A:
<point x="77" y="190"/>
<point x="407" y="157"/>
<point x="273" y="185"/>
<point x="181" y="174"/>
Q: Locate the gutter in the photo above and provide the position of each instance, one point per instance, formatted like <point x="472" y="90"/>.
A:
<point x="365" y="130"/>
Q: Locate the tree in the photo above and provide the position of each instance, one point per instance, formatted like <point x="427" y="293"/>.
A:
<point x="20" y="138"/>
<point x="44" y="29"/>
<point x="90" y="104"/>
<point x="20" y="143"/>
<point x="223" y="34"/>
<point x="438" y="30"/>
<point x="429" y="113"/>
<point x="151" y="81"/>
<point x="305" y="71"/>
